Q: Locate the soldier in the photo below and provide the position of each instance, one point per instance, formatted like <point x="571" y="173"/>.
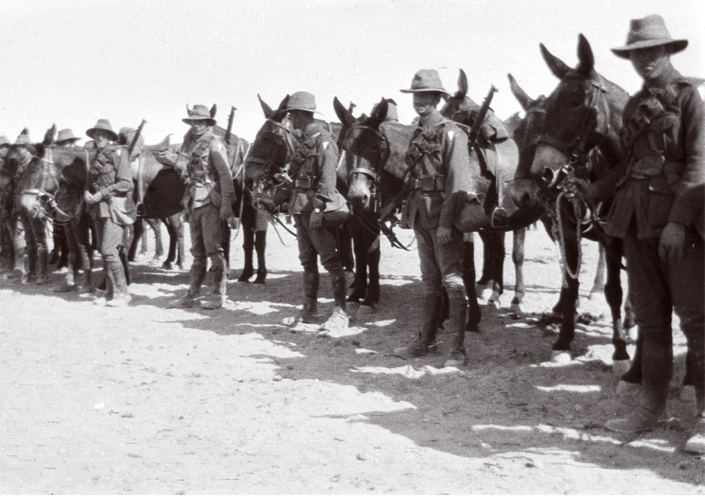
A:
<point x="658" y="211"/>
<point x="439" y="168"/>
<point x="109" y="201"/>
<point x="66" y="138"/>
<point x="314" y="194"/>
<point x="207" y="201"/>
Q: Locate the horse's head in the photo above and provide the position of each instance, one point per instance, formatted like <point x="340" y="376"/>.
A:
<point x="274" y="145"/>
<point x="582" y="113"/>
<point x="459" y="107"/>
<point x="366" y="150"/>
<point x="526" y="132"/>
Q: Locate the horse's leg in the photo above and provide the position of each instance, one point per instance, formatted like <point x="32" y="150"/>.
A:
<point x="19" y="244"/>
<point x="569" y="295"/>
<point x="248" y="243"/>
<point x="179" y="225"/>
<point x="373" y="257"/>
<point x="226" y="232"/>
<point x="518" y="243"/>
<point x="497" y="257"/>
<point x="474" y="313"/>
<point x="138" y="231"/>
<point x="171" y="254"/>
<point x="74" y="261"/>
<point x="156" y="226"/>
<point x="487" y="272"/>
<point x="261" y="248"/>
<point x="344" y="239"/>
<point x="598" y="286"/>
<point x="82" y="229"/>
<point x="128" y="237"/>
<point x="613" y="295"/>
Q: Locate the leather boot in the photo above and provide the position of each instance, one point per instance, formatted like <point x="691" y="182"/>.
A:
<point x="198" y="274"/>
<point x="338" y="319"/>
<point x="425" y="343"/>
<point x="696" y="441"/>
<point x="310" y="286"/>
<point x="122" y="296"/>
<point x="457" y="318"/>
<point x="219" y="295"/>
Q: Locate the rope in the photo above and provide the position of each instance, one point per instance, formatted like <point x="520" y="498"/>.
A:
<point x="561" y="242"/>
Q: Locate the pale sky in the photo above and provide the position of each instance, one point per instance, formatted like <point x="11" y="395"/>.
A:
<point x="75" y="61"/>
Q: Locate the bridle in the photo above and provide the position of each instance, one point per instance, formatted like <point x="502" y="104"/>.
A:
<point x="377" y="163"/>
<point x="269" y="163"/>
<point x="584" y="132"/>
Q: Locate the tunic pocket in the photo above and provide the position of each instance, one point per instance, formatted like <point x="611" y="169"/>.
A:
<point x="660" y="201"/>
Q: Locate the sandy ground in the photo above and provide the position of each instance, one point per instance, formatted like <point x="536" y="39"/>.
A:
<point x="149" y="400"/>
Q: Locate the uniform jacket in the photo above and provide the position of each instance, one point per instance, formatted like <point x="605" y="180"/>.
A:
<point x="439" y="166"/>
<point x="209" y="177"/>
<point x="110" y="172"/>
<point x="314" y="169"/>
<point x="662" y="177"/>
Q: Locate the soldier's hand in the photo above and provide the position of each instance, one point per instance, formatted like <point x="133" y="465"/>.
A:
<point x="233" y="222"/>
<point x="266" y="202"/>
<point x="670" y="246"/>
<point x="583" y="187"/>
<point x="316" y="220"/>
<point x="92" y="199"/>
<point x="443" y="235"/>
<point x="387" y="212"/>
<point x="226" y="212"/>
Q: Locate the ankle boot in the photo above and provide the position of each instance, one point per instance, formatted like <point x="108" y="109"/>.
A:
<point x="310" y="289"/>
<point x="198" y="274"/>
<point x="338" y="320"/>
<point x="219" y="295"/>
<point x="122" y="295"/>
<point x="425" y="342"/>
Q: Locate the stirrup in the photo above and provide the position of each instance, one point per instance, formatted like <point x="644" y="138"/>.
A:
<point x="498" y="219"/>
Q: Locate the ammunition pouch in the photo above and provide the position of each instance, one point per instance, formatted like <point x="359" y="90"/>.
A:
<point x="429" y="183"/>
<point x="306" y="182"/>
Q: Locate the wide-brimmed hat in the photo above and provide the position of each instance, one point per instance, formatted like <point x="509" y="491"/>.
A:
<point x="426" y="80"/>
<point x="649" y="32"/>
<point x="66" y="135"/>
<point x="103" y="125"/>
<point x="23" y="138"/>
<point x="4" y="141"/>
<point x="200" y="113"/>
<point x="303" y="101"/>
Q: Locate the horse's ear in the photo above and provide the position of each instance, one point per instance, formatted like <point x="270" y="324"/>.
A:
<point x="345" y="116"/>
<point x="188" y="111"/>
<point x="521" y="96"/>
<point x="462" y="86"/>
<point x="49" y="136"/>
<point x="557" y="67"/>
<point x="214" y="110"/>
<point x="265" y="107"/>
<point x="280" y="113"/>
<point x="379" y="113"/>
<point x="585" y="56"/>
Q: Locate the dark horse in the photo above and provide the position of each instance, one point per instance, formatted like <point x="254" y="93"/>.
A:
<point x="579" y="137"/>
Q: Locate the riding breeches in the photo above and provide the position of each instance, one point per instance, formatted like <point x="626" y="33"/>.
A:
<point x="314" y="243"/>
<point x="206" y="235"/>
<point x="110" y="237"/>
<point x="656" y="290"/>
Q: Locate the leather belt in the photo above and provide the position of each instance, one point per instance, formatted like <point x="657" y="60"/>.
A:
<point x="429" y="183"/>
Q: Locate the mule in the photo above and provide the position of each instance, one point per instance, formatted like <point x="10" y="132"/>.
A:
<point x="579" y="137"/>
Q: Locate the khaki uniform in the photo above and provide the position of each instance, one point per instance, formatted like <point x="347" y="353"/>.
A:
<point x="661" y="180"/>
<point x="439" y="167"/>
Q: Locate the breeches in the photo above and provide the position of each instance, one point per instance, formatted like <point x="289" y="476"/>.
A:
<point x="314" y="243"/>
<point x="109" y="236"/>
<point x="206" y="234"/>
<point x="441" y="265"/>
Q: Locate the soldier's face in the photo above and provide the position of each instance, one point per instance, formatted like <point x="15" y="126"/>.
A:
<point x="101" y="139"/>
<point x="199" y="126"/>
<point x="650" y="63"/>
<point x="425" y="102"/>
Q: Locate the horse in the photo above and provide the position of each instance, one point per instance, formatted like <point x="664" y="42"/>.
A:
<point x="579" y="137"/>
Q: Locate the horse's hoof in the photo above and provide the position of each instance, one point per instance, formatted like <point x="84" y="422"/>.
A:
<point x="258" y="281"/>
<point x="561" y="357"/>
<point x="687" y="393"/>
<point x="627" y="389"/>
<point x="494" y="303"/>
<point x="364" y="312"/>
<point x="484" y="294"/>
<point x="472" y="328"/>
<point x="64" y="287"/>
<point x="352" y="309"/>
<point x="154" y="262"/>
<point x="167" y="266"/>
<point x="621" y="366"/>
<point x="42" y="280"/>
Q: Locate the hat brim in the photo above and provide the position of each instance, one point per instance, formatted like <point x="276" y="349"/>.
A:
<point x="423" y="91"/>
<point x="303" y="109"/>
<point x="190" y="121"/>
<point x="675" y="46"/>
<point x="91" y="131"/>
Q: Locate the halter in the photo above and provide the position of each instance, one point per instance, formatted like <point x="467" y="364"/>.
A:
<point x="288" y="138"/>
<point x="373" y="174"/>
<point x="576" y="148"/>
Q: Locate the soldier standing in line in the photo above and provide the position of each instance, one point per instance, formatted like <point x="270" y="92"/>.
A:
<point x="439" y="167"/>
<point x="658" y="191"/>
<point x="207" y="201"/>
<point x="109" y="201"/>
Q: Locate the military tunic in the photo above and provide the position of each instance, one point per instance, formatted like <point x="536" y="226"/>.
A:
<point x="662" y="180"/>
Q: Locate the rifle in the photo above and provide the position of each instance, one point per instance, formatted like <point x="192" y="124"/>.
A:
<point x="228" y="132"/>
<point x="498" y="219"/>
<point x="140" y="180"/>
